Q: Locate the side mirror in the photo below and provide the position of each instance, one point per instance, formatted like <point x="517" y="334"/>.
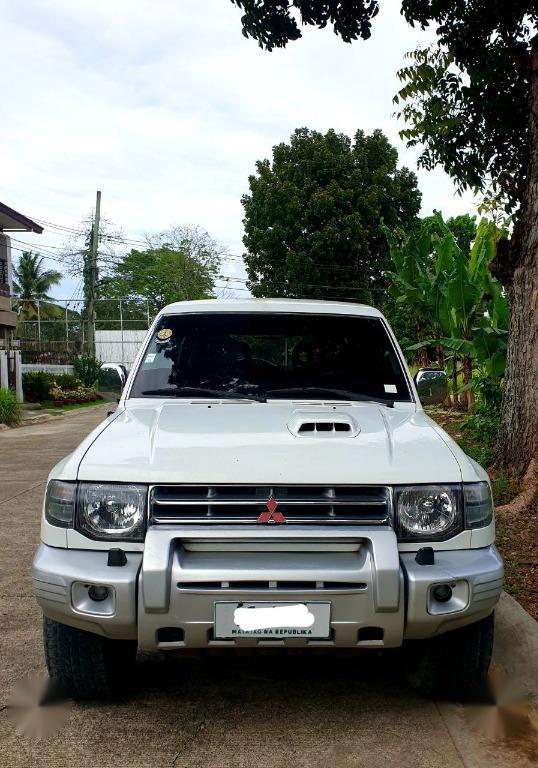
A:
<point x="432" y="385"/>
<point x="111" y="379"/>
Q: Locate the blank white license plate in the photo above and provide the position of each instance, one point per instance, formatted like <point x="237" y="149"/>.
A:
<point x="272" y="620"/>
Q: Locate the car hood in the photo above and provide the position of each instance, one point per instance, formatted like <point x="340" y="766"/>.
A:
<point x="249" y="442"/>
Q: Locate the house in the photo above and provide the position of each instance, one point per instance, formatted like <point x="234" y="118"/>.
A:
<point x="10" y="356"/>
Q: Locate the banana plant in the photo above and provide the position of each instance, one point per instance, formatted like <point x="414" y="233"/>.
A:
<point x="467" y="309"/>
<point x="411" y="281"/>
<point x="477" y="310"/>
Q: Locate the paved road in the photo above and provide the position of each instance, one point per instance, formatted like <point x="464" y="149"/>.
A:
<point x="213" y="712"/>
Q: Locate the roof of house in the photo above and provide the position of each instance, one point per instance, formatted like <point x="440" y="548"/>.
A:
<point x="13" y="221"/>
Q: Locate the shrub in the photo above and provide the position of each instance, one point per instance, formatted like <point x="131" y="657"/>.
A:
<point x="10" y="408"/>
<point x="81" y="394"/>
<point x="481" y="427"/>
<point x="67" y="381"/>
<point x="36" y="386"/>
<point x="86" y="369"/>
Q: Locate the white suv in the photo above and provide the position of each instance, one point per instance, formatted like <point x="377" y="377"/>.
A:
<point x="268" y="479"/>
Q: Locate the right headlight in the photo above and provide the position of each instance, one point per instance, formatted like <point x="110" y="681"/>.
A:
<point x="60" y="503"/>
<point x="428" y="512"/>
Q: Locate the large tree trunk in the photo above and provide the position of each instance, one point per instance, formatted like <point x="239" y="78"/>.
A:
<point x="520" y="407"/>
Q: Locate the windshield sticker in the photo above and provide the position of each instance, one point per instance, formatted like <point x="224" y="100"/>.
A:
<point x="150" y="358"/>
<point x="392" y="388"/>
<point x="164" y="334"/>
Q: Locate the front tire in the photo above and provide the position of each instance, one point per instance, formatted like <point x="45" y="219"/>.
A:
<point x="88" y="666"/>
<point x="453" y="665"/>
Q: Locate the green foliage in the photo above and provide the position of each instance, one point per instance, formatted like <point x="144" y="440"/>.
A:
<point x="67" y="380"/>
<point x="10" y="408"/>
<point x="32" y="284"/>
<point x="403" y="324"/>
<point x="465" y="99"/>
<point x="36" y="386"/>
<point x="178" y="265"/>
<point x="77" y="394"/>
<point x="466" y="307"/>
<point x="503" y="491"/>
<point x="481" y="428"/>
<point x="464" y="230"/>
<point x="41" y="386"/>
<point x="86" y="369"/>
<point x="313" y="216"/>
<point x="273" y="23"/>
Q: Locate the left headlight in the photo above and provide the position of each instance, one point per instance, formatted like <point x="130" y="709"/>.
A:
<point x="429" y="512"/>
<point x="112" y="511"/>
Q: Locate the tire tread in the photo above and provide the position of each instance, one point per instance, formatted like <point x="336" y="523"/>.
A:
<point x="454" y="664"/>
<point x="90" y="666"/>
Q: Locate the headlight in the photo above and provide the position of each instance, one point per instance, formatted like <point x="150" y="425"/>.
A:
<point x="60" y="503"/>
<point x="110" y="511"/>
<point x="430" y="512"/>
<point x="478" y="505"/>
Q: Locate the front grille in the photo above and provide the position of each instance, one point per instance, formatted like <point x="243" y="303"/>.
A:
<point x="300" y="504"/>
<point x="272" y="586"/>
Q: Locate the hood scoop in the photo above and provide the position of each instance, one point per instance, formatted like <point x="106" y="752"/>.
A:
<point x="322" y="425"/>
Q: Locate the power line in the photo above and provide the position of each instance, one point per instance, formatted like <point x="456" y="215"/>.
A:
<point x="230" y="257"/>
<point x="231" y="278"/>
<point x="51" y="257"/>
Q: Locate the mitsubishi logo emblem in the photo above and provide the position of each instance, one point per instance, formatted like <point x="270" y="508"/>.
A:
<point x="272" y="516"/>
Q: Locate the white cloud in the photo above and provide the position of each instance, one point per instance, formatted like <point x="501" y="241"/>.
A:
<point x="165" y="107"/>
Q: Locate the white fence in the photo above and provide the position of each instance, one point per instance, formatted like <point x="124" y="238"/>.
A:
<point x="48" y="367"/>
<point x="118" y="346"/>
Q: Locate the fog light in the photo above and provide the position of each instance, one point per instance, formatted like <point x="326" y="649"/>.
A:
<point x="442" y="593"/>
<point x="98" y="593"/>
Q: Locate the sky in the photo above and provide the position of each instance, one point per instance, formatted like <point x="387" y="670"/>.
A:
<point x="165" y="107"/>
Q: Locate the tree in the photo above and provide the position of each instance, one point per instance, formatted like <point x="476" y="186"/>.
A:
<point x="472" y="102"/>
<point x="32" y="284"/>
<point x="464" y="230"/>
<point x="468" y="312"/>
<point x="313" y="218"/>
<point x="178" y="265"/>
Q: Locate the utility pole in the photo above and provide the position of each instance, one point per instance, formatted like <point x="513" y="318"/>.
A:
<point x="90" y="274"/>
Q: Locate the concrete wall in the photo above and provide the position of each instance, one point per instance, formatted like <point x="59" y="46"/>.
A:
<point x="118" y="347"/>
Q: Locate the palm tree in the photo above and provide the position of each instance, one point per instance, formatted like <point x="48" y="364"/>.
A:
<point x="32" y="283"/>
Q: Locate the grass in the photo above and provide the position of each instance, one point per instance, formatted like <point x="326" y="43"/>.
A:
<point x="10" y="408"/>
<point x="516" y="537"/>
<point x="47" y="404"/>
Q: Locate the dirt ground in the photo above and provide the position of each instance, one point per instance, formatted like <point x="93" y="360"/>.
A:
<point x="245" y="711"/>
<point x="517" y="539"/>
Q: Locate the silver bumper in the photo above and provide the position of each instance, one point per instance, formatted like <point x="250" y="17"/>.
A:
<point x="182" y="573"/>
<point x="60" y="576"/>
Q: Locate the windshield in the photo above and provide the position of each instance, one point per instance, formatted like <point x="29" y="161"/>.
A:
<point x="336" y="357"/>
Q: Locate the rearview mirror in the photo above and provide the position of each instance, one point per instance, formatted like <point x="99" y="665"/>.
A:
<point x="432" y="385"/>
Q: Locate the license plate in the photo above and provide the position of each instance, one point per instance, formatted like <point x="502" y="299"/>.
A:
<point x="269" y="620"/>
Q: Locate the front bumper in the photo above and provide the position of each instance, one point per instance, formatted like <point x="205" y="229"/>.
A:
<point x="175" y="583"/>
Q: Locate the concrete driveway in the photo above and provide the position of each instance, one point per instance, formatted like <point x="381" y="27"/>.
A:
<point x="292" y="711"/>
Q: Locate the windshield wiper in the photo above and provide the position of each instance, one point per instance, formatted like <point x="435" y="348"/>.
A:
<point x="221" y="394"/>
<point x="343" y="394"/>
